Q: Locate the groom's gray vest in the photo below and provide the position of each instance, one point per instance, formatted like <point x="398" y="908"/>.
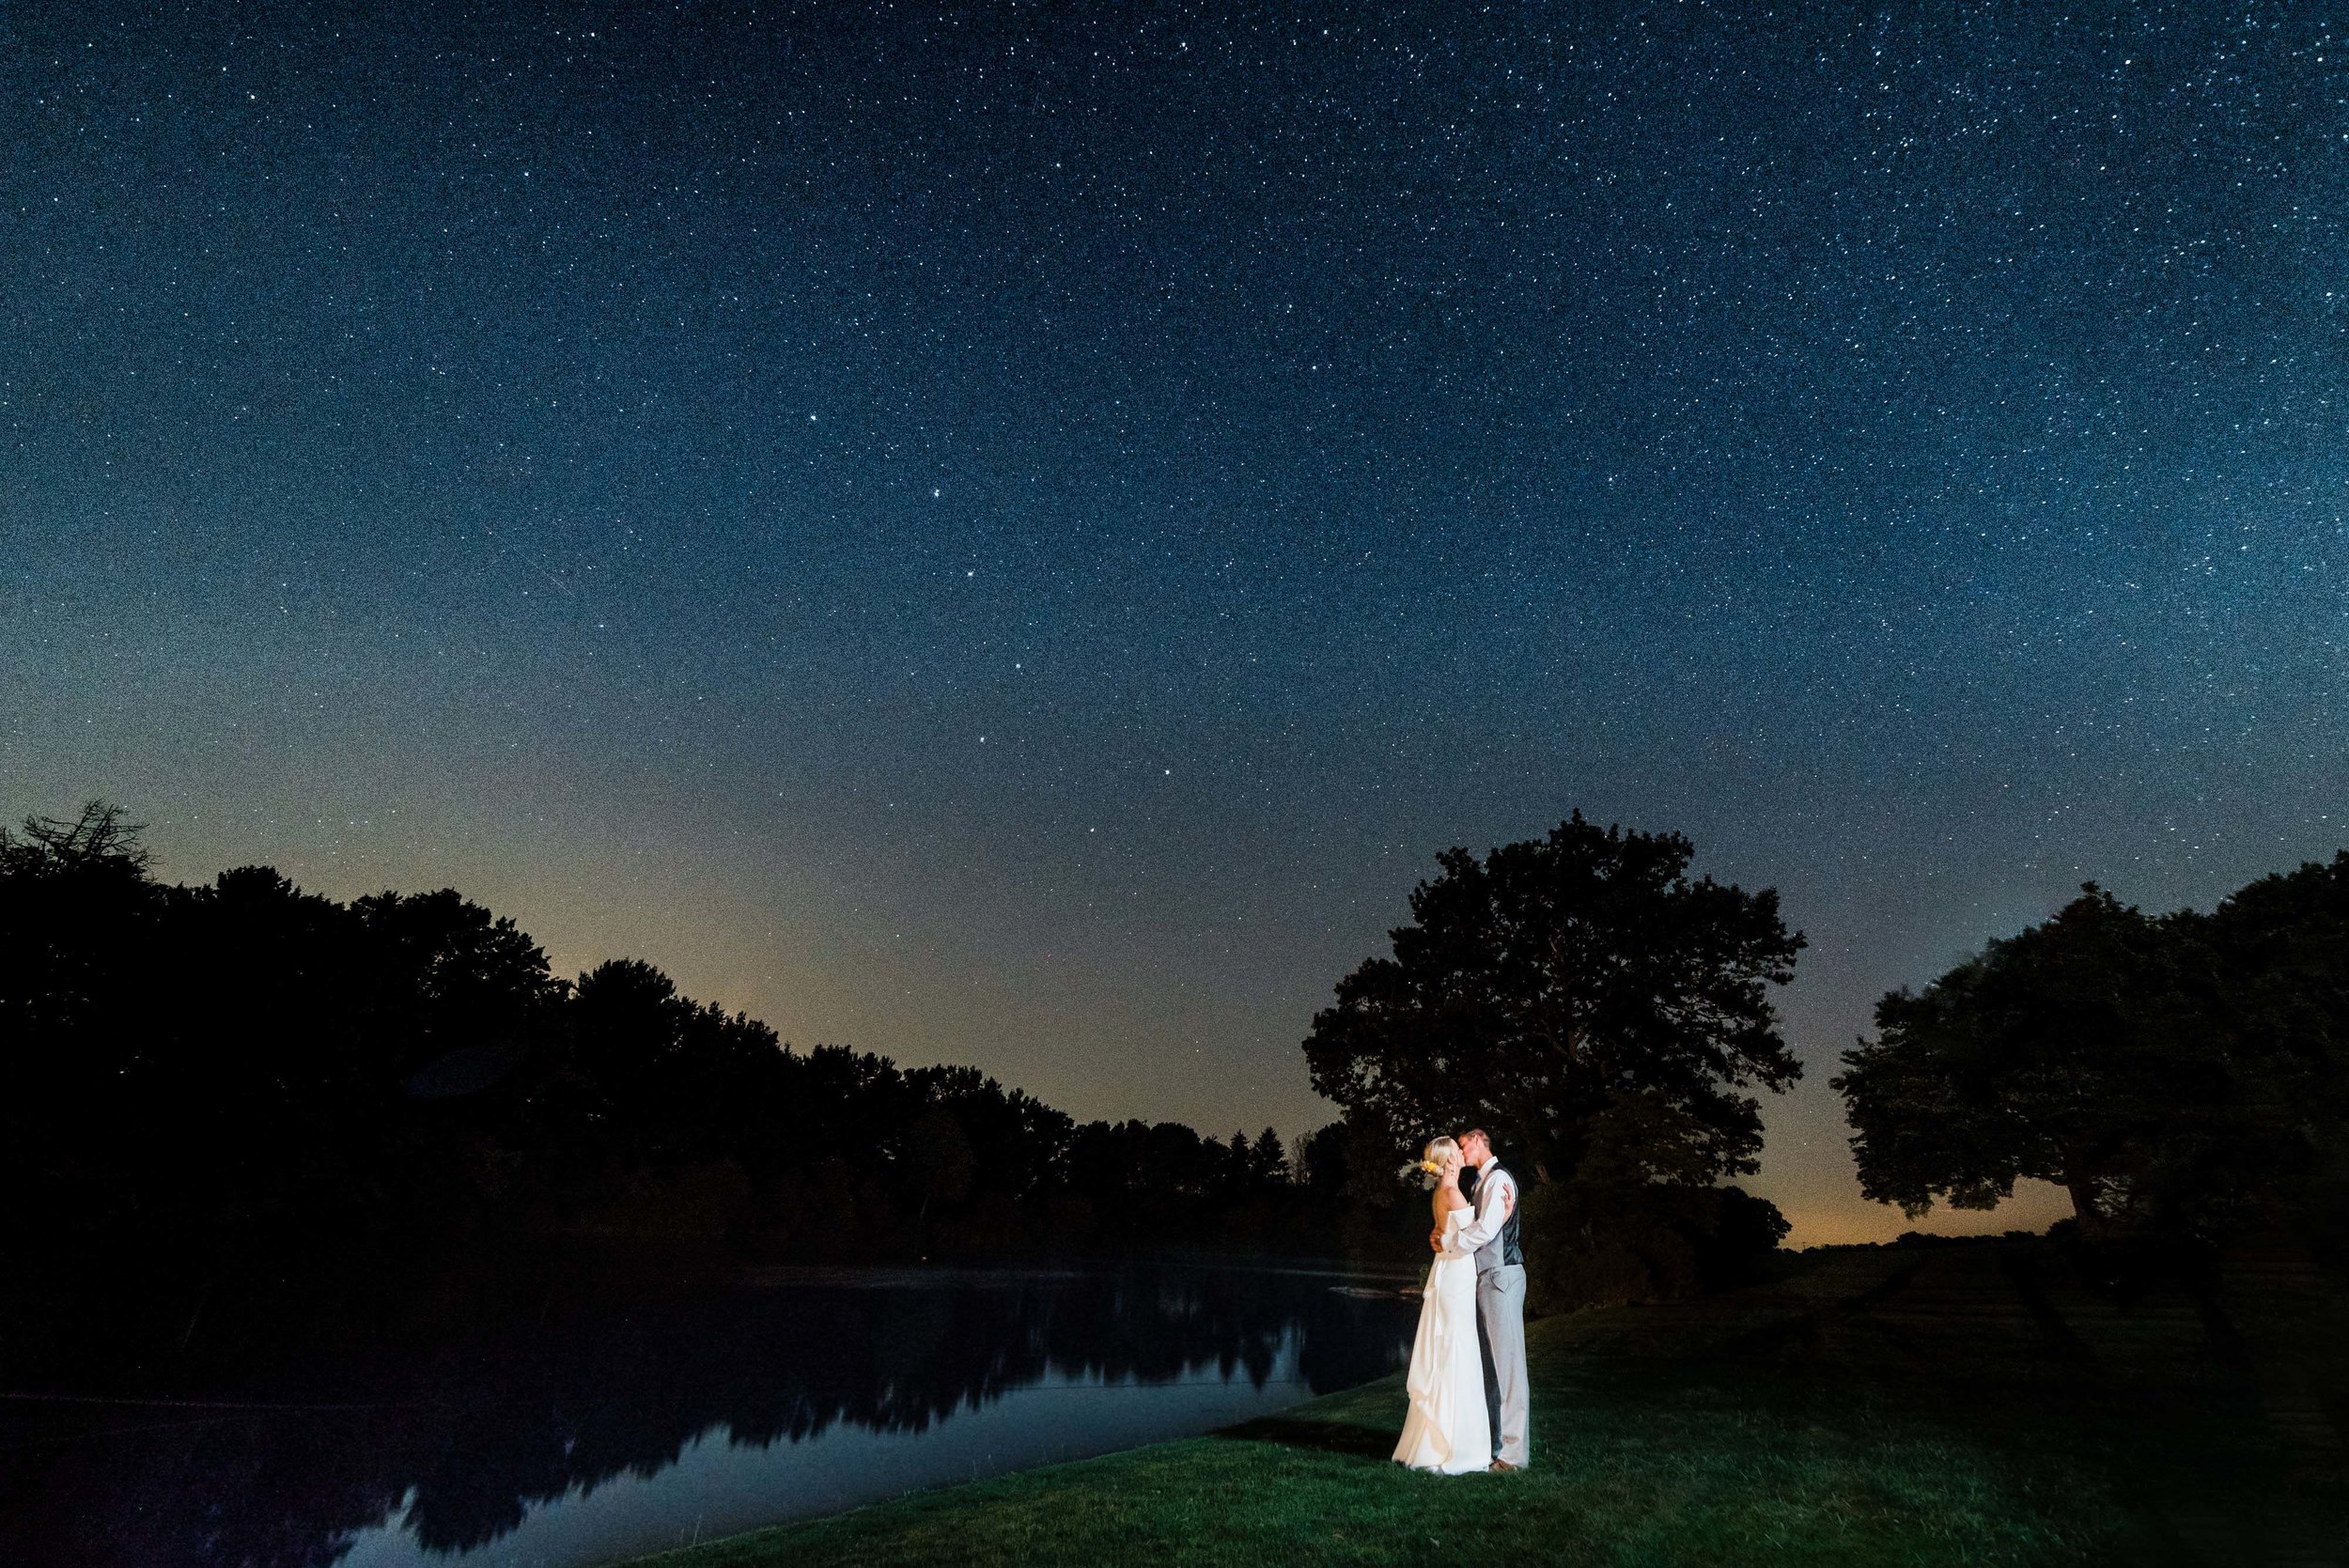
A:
<point x="1504" y="1247"/>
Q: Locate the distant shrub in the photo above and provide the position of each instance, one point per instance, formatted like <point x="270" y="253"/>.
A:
<point x="1600" y="1246"/>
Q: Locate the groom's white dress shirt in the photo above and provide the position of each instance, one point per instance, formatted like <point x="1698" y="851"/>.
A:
<point x="1496" y="1200"/>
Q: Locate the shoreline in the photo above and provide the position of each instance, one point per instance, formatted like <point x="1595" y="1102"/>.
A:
<point x="1887" y="1406"/>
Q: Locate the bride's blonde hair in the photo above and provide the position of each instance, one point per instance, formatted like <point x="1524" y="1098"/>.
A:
<point x="1439" y="1149"/>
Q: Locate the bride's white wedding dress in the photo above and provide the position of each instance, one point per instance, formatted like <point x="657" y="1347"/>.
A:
<point x="1447" y="1429"/>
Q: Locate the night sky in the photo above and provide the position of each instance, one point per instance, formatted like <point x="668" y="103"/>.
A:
<point x="1015" y="534"/>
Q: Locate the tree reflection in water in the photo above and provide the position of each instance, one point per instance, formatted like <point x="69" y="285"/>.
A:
<point x="468" y="1437"/>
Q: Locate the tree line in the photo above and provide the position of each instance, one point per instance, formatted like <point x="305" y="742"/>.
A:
<point x="196" y="1067"/>
<point x="244" y="1057"/>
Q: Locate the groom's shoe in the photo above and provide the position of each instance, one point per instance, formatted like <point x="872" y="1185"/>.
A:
<point x="1502" y="1466"/>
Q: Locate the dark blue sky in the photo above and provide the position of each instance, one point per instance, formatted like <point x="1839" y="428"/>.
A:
<point x="1013" y="534"/>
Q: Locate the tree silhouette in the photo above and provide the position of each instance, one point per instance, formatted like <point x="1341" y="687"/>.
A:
<point x="1564" y="986"/>
<point x="199" y="1069"/>
<point x="99" y="840"/>
<point x="2277" y="1145"/>
<point x="2282" y="948"/>
<point x="2172" y="1073"/>
<point x="1603" y="1016"/>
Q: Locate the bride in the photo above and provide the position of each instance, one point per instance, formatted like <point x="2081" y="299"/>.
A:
<point x="1447" y="1429"/>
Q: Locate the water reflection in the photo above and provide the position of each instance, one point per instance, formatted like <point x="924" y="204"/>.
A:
<point x="634" y="1428"/>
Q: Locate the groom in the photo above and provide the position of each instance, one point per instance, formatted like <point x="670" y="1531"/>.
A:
<point x="1492" y="1235"/>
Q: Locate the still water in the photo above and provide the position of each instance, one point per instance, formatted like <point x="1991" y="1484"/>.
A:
<point x="625" y="1431"/>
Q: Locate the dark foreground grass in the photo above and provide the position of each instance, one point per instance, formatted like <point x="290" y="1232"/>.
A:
<point x="1942" y="1408"/>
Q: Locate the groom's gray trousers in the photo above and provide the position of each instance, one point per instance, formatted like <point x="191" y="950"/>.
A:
<point x="1500" y="1324"/>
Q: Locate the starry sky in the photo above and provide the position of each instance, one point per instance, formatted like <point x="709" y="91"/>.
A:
<point x="1014" y="534"/>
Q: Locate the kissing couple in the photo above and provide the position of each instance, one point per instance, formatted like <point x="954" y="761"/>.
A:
<point x="1469" y="1403"/>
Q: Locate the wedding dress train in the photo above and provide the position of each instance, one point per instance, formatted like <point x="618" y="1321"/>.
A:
<point x="1447" y="1429"/>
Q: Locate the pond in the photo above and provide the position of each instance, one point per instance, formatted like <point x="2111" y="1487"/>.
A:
<point x="628" y="1429"/>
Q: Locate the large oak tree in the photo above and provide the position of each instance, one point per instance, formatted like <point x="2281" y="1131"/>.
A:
<point x="2053" y="1054"/>
<point x="1579" y="996"/>
<point x="2173" y="1073"/>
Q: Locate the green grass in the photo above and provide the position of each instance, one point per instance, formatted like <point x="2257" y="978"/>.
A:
<point x="1945" y="1407"/>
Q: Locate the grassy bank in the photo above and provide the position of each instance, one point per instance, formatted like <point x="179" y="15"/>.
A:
<point x="1970" y="1404"/>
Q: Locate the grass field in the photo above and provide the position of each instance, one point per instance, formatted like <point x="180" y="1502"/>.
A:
<point x="1975" y="1404"/>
